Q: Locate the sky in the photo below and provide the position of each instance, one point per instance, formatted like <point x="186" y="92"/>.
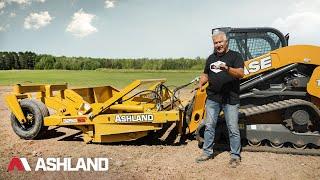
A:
<point x="145" y="28"/>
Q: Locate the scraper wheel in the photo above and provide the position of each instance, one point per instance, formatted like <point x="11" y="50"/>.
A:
<point x="33" y="124"/>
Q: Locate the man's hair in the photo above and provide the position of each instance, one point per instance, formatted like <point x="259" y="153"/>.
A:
<point x="217" y="32"/>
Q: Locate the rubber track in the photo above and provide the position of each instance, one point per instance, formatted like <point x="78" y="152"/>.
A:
<point x="266" y="148"/>
<point x="283" y="150"/>
<point x="273" y="107"/>
<point x="277" y="106"/>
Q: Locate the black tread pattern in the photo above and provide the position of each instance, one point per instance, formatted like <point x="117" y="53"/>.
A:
<point x="283" y="150"/>
<point x="268" y="108"/>
<point x="265" y="148"/>
<point x="277" y="106"/>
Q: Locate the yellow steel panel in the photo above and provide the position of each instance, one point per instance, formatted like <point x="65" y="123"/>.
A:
<point x="158" y="117"/>
<point x="19" y="89"/>
<point x="74" y="97"/>
<point x="313" y="86"/>
<point x="106" y="129"/>
<point x="55" y="87"/>
<point x="55" y="120"/>
<point x="14" y="106"/>
<point x="104" y="93"/>
<point x="56" y="103"/>
<point x="123" y="107"/>
<point x="87" y="133"/>
<point x="74" y="101"/>
<point x="86" y="94"/>
<point x="119" y="137"/>
<point x="52" y="120"/>
<point x="196" y="119"/>
<point x="304" y="54"/>
<point x="198" y="110"/>
<point x="97" y="109"/>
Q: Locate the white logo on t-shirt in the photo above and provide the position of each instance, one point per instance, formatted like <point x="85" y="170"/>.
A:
<point x="215" y="67"/>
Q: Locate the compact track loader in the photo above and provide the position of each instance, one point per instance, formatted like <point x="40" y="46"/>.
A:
<point x="280" y="92"/>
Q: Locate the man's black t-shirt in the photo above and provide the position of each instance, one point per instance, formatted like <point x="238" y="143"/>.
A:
<point x="223" y="88"/>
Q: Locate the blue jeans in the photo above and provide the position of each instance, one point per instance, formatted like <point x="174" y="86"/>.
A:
<point x="231" y="115"/>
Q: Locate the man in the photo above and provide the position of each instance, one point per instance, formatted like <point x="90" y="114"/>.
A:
<point x="223" y="70"/>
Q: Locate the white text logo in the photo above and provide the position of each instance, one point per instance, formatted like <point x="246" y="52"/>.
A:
<point x="134" y="118"/>
<point x="258" y="65"/>
<point x="61" y="164"/>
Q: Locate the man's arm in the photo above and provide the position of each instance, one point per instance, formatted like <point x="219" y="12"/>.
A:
<point x="235" y="72"/>
<point x="204" y="76"/>
<point x="203" y="80"/>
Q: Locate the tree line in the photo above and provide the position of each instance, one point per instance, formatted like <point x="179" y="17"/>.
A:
<point x="31" y="60"/>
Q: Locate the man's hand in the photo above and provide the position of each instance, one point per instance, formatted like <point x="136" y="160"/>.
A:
<point x="224" y="67"/>
<point x="235" y="72"/>
<point x="203" y="80"/>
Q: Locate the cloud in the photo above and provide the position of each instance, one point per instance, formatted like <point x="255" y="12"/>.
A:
<point x="2" y="5"/>
<point x="20" y="2"/>
<point x="37" y="20"/>
<point x="302" y="24"/>
<point x="302" y="6"/>
<point x="13" y="14"/>
<point x="41" y="1"/>
<point x="4" y="28"/>
<point x="81" y="26"/>
<point x="109" y="4"/>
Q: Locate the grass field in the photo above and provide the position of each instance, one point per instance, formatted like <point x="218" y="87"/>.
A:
<point x="117" y="78"/>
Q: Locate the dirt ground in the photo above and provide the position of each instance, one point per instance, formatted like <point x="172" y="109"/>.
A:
<point x="144" y="161"/>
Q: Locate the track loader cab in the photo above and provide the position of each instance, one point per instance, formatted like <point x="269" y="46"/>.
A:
<point x="254" y="42"/>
